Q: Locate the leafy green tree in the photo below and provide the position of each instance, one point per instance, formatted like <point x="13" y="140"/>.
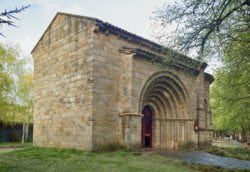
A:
<point x="10" y="67"/>
<point x="25" y="103"/>
<point x="204" y="25"/>
<point x="216" y="28"/>
<point x="16" y="96"/>
<point x="231" y="89"/>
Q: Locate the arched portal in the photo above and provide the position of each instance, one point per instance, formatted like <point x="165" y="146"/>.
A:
<point x="167" y="96"/>
<point x="146" y="127"/>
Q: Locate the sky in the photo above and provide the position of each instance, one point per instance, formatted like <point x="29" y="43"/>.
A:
<point x="131" y="15"/>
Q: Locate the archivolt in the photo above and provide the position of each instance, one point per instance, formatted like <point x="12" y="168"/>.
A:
<point x="167" y="93"/>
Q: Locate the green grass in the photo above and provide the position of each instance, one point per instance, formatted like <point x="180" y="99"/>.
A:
<point x="14" y="144"/>
<point x="235" y="152"/>
<point x="226" y="144"/>
<point x="63" y="160"/>
<point x="49" y="159"/>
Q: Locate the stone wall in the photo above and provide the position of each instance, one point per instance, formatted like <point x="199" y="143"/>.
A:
<point x="208" y="115"/>
<point x="112" y="90"/>
<point x="119" y="79"/>
<point x="88" y="94"/>
<point x="172" y="132"/>
<point x="63" y="84"/>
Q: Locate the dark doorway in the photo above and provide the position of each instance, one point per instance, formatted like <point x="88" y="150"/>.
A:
<point x="146" y="128"/>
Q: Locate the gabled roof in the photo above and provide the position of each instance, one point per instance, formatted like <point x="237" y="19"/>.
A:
<point x="108" y="28"/>
<point x="183" y="61"/>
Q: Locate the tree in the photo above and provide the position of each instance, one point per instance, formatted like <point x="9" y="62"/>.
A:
<point x="7" y="17"/>
<point x="15" y="89"/>
<point x="10" y="67"/>
<point x="216" y="28"/>
<point x="231" y="89"/>
<point x="25" y="103"/>
<point x="204" y="25"/>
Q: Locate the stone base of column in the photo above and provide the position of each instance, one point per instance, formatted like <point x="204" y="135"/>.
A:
<point x="131" y="130"/>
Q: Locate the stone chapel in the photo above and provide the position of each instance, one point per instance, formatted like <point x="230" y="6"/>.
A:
<point x="96" y="84"/>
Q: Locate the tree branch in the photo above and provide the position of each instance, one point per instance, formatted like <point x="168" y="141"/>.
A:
<point x="6" y="17"/>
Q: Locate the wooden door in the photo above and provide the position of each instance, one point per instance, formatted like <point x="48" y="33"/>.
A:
<point x="146" y="128"/>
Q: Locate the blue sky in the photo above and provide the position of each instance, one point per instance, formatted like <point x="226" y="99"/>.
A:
<point x="132" y="15"/>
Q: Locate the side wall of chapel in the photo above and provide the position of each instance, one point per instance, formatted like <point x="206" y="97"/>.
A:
<point x="62" y="84"/>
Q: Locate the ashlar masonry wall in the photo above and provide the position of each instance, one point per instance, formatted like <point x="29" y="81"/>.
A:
<point x="88" y="94"/>
<point x="63" y="84"/>
<point x="118" y="82"/>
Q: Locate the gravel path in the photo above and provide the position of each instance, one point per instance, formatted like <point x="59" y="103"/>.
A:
<point x="205" y="158"/>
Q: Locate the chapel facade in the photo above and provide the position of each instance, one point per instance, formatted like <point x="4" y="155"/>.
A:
<point x="96" y="84"/>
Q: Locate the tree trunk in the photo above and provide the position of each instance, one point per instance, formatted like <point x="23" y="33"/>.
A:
<point x="26" y="132"/>
<point x="233" y="135"/>
<point x="243" y="135"/>
<point x="23" y="133"/>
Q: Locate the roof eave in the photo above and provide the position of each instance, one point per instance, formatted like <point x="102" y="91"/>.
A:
<point x="158" y="59"/>
<point x="209" y="77"/>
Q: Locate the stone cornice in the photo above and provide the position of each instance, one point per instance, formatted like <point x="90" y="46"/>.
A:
<point x="209" y="77"/>
<point x="130" y="114"/>
<point x="137" y="52"/>
<point x="108" y="28"/>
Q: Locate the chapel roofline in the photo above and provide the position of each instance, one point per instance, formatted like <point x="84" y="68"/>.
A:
<point x="107" y="28"/>
<point x="189" y="65"/>
<point x="209" y="77"/>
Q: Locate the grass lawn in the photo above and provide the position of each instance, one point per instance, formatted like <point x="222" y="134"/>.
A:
<point x="48" y="159"/>
<point x="235" y="152"/>
<point x="227" y="143"/>
<point x="14" y="144"/>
